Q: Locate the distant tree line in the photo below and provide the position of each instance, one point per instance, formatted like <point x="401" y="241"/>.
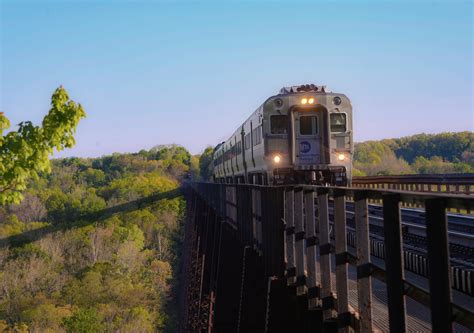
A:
<point x="417" y="154"/>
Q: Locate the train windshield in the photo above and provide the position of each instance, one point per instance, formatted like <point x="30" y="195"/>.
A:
<point x="308" y="125"/>
<point x="279" y="124"/>
<point x="338" y="122"/>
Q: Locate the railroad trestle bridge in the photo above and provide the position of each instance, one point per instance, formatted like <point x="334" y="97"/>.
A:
<point x="296" y="259"/>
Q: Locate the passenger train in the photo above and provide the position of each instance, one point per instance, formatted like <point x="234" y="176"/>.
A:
<point x="303" y="135"/>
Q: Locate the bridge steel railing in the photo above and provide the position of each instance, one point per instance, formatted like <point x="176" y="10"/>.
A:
<point x="259" y="258"/>
<point x="440" y="183"/>
<point x="451" y="183"/>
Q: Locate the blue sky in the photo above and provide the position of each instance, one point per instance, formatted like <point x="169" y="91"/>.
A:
<point x="181" y="72"/>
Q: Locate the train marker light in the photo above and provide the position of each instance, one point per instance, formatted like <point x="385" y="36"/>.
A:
<point x="276" y="158"/>
<point x="341" y="157"/>
<point x="278" y="102"/>
<point x="304" y="101"/>
<point x="311" y="100"/>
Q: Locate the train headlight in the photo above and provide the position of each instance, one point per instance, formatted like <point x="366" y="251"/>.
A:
<point x="337" y="100"/>
<point x="311" y="100"/>
<point x="304" y="101"/>
<point x="341" y="157"/>
<point x="277" y="159"/>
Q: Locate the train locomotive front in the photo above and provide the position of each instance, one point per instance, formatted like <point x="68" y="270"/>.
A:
<point x="303" y="135"/>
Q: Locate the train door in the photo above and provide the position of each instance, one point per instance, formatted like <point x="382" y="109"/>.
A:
<point x="307" y="137"/>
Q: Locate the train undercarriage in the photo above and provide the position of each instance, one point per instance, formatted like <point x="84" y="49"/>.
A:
<point x="335" y="176"/>
<point x="330" y="176"/>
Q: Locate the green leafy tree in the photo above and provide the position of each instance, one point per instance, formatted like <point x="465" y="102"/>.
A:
<point x="83" y="321"/>
<point x="25" y="153"/>
<point x="205" y="163"/>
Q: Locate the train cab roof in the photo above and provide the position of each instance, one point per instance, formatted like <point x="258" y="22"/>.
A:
<point x="302" y="88"/>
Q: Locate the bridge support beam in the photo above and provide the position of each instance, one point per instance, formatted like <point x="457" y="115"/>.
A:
<point x="228" y="284"/>
<point x="253" y="293"/>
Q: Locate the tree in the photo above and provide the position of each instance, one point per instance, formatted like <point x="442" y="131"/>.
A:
<point x="83" y="321"/>
<point x="45" y="317"/>
<point x="377" y="158"/>
<point x="31" y="209"/>
<point x="204" y="163"/>
<point x="25" y="153"/>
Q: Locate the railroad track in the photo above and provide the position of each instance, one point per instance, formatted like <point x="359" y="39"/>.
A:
<point x="460" y="229"/>
<point x="461" y="237"/>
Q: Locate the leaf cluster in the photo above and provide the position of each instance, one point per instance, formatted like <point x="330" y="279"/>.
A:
<point x="24" y="153"/>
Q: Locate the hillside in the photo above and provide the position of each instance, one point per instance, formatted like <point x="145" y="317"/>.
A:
<point x="417" y="154"/>
<point x="95" y="245"/>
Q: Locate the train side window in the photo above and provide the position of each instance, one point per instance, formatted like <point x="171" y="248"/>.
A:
<point x="247" y="141"/>
<point x="279" y="124"/>
<point x="338" y="122"/>
<point x="308" y="125"/>
<point x="257" y="136"/>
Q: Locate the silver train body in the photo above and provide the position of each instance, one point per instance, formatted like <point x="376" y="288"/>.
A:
<point x="302" y="135"/>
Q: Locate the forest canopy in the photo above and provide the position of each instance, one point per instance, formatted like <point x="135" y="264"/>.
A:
<point x="94" y="246"/>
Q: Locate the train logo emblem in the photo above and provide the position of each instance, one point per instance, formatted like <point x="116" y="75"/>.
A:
<point x="305" y="147"/>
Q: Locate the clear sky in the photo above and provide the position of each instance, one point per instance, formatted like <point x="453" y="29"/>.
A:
<point x="181" y="72"/>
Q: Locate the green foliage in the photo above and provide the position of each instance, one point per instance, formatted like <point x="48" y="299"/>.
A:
<point x="449" y="146"/>
<point x="83" y="321"/>
<point x="376" y="158"/>
<point x="172" y="153"/>
<point x="205" y="163"/>
<point x="437" y="165"/>
<point x="134" y="187"/>
<point x="175" y="159"/>
<point x="93" y="177"/>
<point x="110" y="259"/>
<point x="45" y="317"/>
<point x="64" y="207"/>
<point x="194" y="168"/>
<point x="25" y="153"/>
<point x="11" y="226"/>
<point x="422" y="153"/>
